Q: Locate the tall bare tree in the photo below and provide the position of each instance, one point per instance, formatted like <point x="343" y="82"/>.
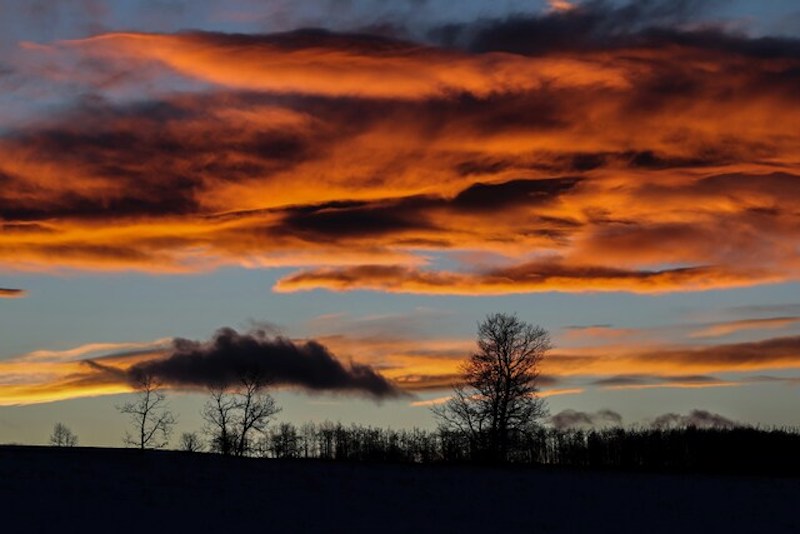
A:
<point x="219" y="414"/>
<point x="498" y="393"/>
<point x="233" y="415"/>
<point x="149" y="414"/>
<point x="62" y="436"/>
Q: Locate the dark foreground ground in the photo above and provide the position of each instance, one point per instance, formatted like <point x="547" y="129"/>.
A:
<point x="118" y="490"/>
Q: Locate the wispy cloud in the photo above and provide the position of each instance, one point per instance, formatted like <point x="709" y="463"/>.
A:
<point x="430" y="402"/>
<point x="731" y="327"/>
<point x="321" y="62"/>
<point x="550" y="392"/>
<point x="567" y="419"/>
<point x="90" y="349"/>
<point x="676" y="360"/>
<point x="696" y="418"/>
<point x="573" y="419"/>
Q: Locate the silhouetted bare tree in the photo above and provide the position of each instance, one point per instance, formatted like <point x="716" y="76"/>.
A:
<point x="498" y="396"/>
<point x="233" y="416"/>
<point x="219" y="414"/>
<point x="284" y="442"/>
<point x="191" y="442"/>
<point x="149" y="414"/>
<point x="62" y="436"/>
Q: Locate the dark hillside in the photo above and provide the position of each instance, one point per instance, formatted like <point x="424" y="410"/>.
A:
<point x="123" y="490"/>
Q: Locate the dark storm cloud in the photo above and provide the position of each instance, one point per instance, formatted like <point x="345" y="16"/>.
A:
<point x="571" y="419"/>
<point x="229" y="355"/>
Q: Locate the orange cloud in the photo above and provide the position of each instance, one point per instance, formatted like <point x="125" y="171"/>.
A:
<point x="526" y="278"/>
<point x="771" y="353"/>
<point x="560" y="5"/>
<point x="48" y="376"/>
<point x="91" y="349"/>
<point x="367" y="163"/>
<point x="6" y="293"/>
<point x="318" y="62"/>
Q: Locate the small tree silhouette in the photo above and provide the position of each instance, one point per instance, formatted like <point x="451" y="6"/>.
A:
<point x="149" y="414"/>
<point x="191" y="442"/>
<point x="62" y="436"/>
<point x="285" y="442"/>
<point x="219" y="414"/>
<point x="233" y="415"/>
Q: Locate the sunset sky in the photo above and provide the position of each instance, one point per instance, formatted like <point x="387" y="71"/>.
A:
<point x="343" y="189"/>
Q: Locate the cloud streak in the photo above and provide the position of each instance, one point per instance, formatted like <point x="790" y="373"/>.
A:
<point x="7" y="293"/>
<point x="524" y="278"/>
<point x="672" y="362"/>
<point x="731" y="327"/>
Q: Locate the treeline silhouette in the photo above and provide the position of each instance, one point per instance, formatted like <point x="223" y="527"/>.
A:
<point x="494" y="416"/>
<point x="690" y="449"/>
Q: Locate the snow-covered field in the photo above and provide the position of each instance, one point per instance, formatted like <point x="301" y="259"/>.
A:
<point x="118" y="490"/>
